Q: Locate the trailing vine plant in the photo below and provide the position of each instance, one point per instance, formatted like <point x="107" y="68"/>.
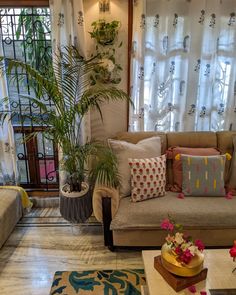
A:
<point x="107" y="70"/>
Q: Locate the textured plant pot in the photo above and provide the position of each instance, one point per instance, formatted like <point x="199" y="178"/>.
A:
<point x="76" y="207"/>
<point x="66" y="193"/>
<point x="170" y="263"/>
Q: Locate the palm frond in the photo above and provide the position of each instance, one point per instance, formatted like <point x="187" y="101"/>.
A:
<point x="66" y="84"/>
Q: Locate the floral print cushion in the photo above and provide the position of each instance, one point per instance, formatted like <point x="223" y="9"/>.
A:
<point x="148" y="178"/>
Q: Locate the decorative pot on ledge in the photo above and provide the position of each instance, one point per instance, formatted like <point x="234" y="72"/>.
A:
<point x="171" y="263"/>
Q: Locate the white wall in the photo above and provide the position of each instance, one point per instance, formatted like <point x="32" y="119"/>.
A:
<point x="114" y="114"/>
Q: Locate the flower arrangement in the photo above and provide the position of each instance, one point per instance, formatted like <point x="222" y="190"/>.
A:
<point x="182" y="245"/>
<point x="232" y="253"/>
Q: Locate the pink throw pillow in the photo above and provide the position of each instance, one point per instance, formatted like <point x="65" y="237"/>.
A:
<point x="177" y="164"/>
<point x="148" y="178"/>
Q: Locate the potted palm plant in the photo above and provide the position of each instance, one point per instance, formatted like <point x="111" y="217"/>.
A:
<point x="67" y="84"/>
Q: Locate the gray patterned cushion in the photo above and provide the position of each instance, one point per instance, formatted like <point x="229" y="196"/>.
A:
<point x="203" y="175"/>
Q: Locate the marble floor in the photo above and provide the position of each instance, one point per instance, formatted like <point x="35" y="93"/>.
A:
<point x="32" y="254"/>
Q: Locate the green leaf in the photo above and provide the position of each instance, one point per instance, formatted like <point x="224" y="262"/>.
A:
<point x="179" y="226"/>
<point x="68" y="86"/>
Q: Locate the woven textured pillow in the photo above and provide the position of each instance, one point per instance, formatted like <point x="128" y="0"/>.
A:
<point x="177" y="165"/>
<point x="146" y="148"/>
<point x="203" y="175"/>
<point x="148" y="178"/>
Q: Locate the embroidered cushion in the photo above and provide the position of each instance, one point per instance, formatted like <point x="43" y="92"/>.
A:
<point x="203" y="175"/>
<point x="148" y="178"/>
<point x="177" y="165"/>
<point x="146" y="148"/>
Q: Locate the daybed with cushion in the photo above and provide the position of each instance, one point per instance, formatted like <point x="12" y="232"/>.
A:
<point x="209" y="218"/>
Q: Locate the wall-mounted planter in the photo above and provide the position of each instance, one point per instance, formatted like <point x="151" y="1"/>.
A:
<point x="104" y="32"/>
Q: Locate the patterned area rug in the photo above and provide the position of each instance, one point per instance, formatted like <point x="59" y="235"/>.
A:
<point x="102" y="282"/>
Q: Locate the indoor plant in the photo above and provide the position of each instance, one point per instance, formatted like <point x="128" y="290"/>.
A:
<point x="105" y="32"/>
<point x="108" y="69"/>
<point x="66" y="83"/>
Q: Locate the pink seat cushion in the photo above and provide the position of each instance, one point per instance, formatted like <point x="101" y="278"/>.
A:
<point x="177" y="164"/>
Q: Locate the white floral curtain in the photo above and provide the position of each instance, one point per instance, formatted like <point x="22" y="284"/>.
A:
<point x="68" y="28"/>
<point x="184" y="65"/>
<point x="9" y="174"/>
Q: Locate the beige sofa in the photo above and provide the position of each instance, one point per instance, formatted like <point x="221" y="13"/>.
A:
<point x="212" y="219"/>
<point x="10" y="212"/>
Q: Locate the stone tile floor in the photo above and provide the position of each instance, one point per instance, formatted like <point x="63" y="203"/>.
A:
<point x="32" y="254"/>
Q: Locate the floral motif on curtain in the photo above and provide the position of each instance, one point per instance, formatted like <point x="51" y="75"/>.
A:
<point x="183" y="67"/>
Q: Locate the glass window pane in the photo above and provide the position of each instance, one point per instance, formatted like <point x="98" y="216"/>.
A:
<point x="24" y="171"/>
<point x="47" y="171"/>
<point x="45" y="146"/>
<point x="20" y="145"/>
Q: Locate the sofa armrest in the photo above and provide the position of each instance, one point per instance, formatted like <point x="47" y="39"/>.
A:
<point x="105" y="205"/>
<point x="98" y="195"/>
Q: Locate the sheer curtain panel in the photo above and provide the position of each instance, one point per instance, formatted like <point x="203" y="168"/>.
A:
<point x="9" y="174"/>
<point x="68" y="29"/>
<point x="183" y="65"/>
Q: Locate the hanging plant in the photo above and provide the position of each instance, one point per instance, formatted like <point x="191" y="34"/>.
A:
<point x="104" y="32"/>
<point x="107" y="70"/>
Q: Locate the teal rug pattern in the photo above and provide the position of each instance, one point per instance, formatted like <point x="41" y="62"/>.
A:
<point x="98" y="282"/>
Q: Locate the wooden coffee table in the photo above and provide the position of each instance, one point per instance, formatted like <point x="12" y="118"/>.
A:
<point x="220" y="276"/>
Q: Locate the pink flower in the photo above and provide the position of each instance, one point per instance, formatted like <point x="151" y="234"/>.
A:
<point x="178" y="250"/>
<point x="180" y="196"/>
<point x="186" y="256"/>
<point x="232" y="251"/>
<point x="192" y="289"/>
<point x="200" y="245"/>
<point x="203" y="293"/>
<point x="166" y="224"/>
<point x="229" y="196"/>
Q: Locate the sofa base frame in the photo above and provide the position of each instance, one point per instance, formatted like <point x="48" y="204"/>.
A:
<point x="120" y="240"/>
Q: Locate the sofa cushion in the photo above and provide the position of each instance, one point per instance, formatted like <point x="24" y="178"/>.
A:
<point x="177" y="164"/>
<point x="203" y="175"/>
<point x="198" y="139"/>
<point x="146" y="148"/>
<point x="10" y="212"/>
<point x="225" y="145"/>
<point x="148" y="178"/>
<point x="135" y="137"/>
<point x="191" y="139"/>
<point x="191" y="212"/>
<point x="232" y="173"/>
